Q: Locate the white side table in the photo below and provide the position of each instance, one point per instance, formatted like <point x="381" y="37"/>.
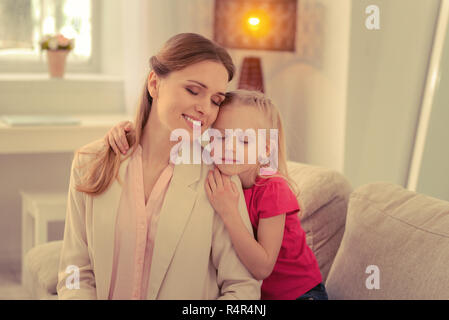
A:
<point x="38" y="209"/>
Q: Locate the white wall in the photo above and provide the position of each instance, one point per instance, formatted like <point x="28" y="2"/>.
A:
<point x="387" y="72"/>
<point x="433" y="177"/>
<point x="312" y="99"/>
<point x="147" y="24"/>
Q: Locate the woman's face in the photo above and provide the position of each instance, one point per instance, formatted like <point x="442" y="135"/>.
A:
<point x="189" y="96"/>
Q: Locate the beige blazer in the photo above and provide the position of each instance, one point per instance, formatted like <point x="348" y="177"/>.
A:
<point x="193" y="256"/>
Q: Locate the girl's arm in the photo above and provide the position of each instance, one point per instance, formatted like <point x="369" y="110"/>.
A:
<point x="233" y="278"/>
<point x="260" y="256"/>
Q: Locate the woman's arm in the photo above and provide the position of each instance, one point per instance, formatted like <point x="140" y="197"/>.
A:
<point x="260" y="256"/>
<point x="76" y="279"/>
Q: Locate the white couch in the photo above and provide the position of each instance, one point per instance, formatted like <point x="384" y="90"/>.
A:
<point x="404" y="234"/>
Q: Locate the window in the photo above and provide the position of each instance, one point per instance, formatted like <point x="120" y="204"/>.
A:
<point x="23" y="23"/>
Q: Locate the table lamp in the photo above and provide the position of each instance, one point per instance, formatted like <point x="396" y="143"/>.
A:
<point x="255" y="25"/>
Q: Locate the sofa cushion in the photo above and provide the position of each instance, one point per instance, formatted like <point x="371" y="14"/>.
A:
<point x="395" y="246"/>
<point x="42" y="263"/>
<point x="323" y="197"/>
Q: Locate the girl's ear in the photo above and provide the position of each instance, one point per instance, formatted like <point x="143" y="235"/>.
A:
<point x="272" y="151"/>
<point x="264" y="158"/>
<point x="271" y="147"/>
<point x="268" y="148"/>
<point x="153" y="84"/>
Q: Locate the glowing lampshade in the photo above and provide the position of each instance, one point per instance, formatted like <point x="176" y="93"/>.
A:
<point x="256" y="24"/>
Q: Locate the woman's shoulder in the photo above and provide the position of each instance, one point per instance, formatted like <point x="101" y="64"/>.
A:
<point x="88" y="152"/>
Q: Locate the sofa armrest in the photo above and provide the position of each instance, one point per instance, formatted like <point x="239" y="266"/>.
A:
<point x="395" y="246"/>
<point x="41" y="266"/>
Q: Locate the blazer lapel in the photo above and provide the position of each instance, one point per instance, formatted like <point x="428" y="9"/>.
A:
<point x="104" y="215"/>
<point x="175" y="212"/>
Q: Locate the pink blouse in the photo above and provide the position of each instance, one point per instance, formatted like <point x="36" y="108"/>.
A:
<point x="135" y="230"/>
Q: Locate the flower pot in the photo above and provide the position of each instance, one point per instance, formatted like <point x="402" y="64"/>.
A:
<point x="56" y="62"/>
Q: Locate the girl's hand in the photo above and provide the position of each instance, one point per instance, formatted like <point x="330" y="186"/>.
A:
<point x="116" y="137"/>
<point x="222" y="193"/>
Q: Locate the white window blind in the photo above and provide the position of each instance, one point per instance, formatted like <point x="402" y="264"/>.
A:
<point x="23" y="23"/>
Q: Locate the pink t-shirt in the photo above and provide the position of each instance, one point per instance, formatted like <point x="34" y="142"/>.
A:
<point x="135" y="231"/>
<point x="296" y="270"/>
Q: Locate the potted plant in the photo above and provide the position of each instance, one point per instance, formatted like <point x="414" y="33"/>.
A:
<point x="58" y="47"/>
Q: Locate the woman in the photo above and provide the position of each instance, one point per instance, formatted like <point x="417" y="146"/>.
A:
<point x="138" y="227"/>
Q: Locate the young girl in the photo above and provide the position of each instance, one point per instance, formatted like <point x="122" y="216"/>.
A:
<point x="279" y="255"/>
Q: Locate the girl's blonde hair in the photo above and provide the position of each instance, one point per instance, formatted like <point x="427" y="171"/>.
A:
<point x="271" y="113"/>
<point x="179" y="52"/>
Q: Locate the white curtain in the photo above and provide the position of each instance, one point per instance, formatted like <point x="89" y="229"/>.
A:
<point x="145" y="28"/>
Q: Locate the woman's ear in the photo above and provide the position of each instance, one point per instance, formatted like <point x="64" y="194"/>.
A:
<point x="153" y="84"/>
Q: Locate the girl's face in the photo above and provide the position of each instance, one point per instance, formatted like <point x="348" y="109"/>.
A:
<point x="188" y="96"/>
<point x="236" y="116"/>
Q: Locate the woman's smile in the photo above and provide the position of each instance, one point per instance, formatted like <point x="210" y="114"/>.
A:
<point x="192" y="121"/>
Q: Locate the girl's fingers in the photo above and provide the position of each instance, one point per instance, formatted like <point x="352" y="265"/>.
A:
<point x="119" y="133"/>
<point x="112" y="144"/>
<point x="123" y="124"/>
<point x="208" y="190"/>
<point x="226" y="181"/>
<point x="128" y="126"/>
<point x="124" y="146"/>
<point x="218" y="179"/>
<point x="211" y="179"/>
<point x="118" y="139"/>
<point x="234" y="187"/>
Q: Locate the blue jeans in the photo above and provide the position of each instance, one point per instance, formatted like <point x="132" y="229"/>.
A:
<point x="316" y="293"/>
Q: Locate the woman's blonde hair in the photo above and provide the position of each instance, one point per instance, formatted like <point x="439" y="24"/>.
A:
<point x="179" y="52"/>
<point x="272" y="115"/>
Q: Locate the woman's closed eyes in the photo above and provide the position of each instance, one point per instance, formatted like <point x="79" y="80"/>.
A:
<point x="217" y="102"/>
